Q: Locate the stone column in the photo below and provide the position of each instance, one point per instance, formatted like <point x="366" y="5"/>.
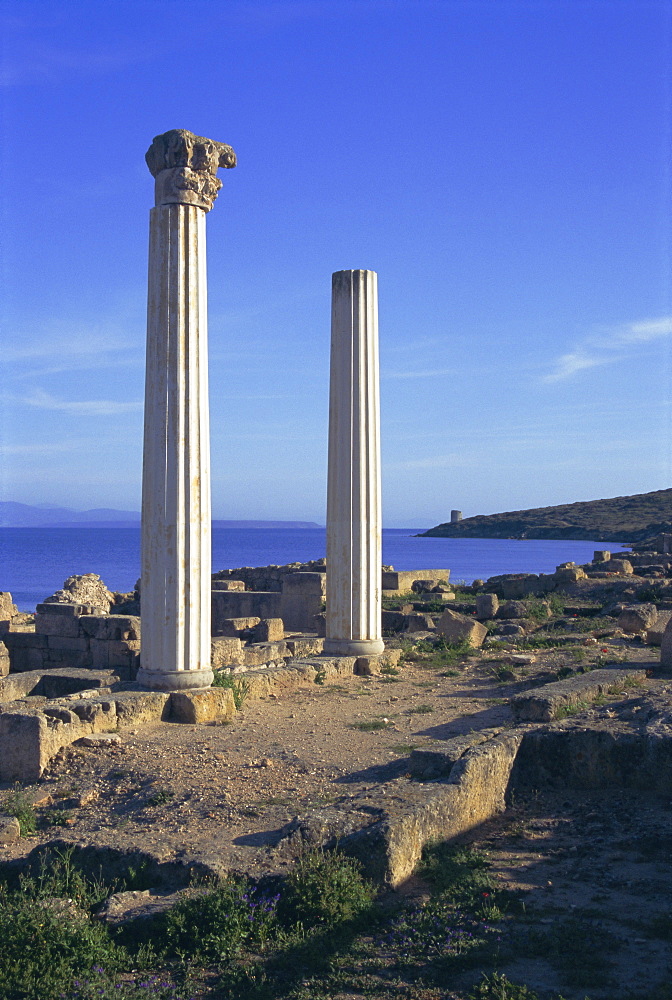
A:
<point x="353" y="490"/>
<point x="176" y="554"/>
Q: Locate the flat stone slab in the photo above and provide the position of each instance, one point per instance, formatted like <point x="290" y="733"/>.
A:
<point x="545" y="703"/>
<point x="386" y="829"/>
<point x="100" y="740"/>
<point x="205" y="705"/>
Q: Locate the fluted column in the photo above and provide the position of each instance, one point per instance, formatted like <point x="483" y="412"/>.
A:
<point x="353" y="489"/>
<point x="176" y="521"/>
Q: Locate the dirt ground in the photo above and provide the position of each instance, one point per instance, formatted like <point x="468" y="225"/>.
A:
<point x="223" y="793"/>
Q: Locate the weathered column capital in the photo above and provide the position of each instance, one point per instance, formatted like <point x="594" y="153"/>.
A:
<point x="184" y="167"/>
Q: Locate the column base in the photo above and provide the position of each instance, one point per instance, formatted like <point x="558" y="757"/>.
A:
<point x="174" y="680"/>
<point x="353" y="647"/>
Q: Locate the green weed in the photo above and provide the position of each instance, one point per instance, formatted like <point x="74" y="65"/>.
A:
<point x="325" y="889"/>
<point x="17" y="804"/>
<point x="46" y="943"/>
<point x="498" y="987"/>
<point x="240" y="687"/>
<point x="160" y="797"/>
<point x="58" y="817"/>
<point x="216" y="925"/>
<point x="421" y="710"/>
<point x="564" y="711"/>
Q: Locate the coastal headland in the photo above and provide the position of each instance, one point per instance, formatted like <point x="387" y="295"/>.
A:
<point x="618" y="519"/>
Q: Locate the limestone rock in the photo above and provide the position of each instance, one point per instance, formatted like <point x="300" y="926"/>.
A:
<point x="487" y="605"/>
<point x="654" y="634"/>
<point x="4" y="660"/>
<point x="419" y="623"/>
<point x="203" y="705"/>
<point x="7" y="608"/>
<point x="460" y="628"/>
<point x="512" y="609"/>
<point x="666" y="648"/>
<point x="9" y="829"/>
<point x="620" y="566"/>
<point x="86" y="588"/>
<point x="569" y="574"/>
<point x="637" y="617"/>
<point x="268" y="630"/>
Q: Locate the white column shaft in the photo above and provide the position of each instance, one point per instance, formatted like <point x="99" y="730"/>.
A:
<point x="176" y="550"/>
<point x="353" y="491"/>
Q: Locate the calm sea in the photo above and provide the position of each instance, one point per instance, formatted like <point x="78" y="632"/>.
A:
<point x="34" y="562"/>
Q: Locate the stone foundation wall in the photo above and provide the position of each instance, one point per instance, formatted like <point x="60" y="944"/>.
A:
<point x="268" y="577"/>
<point x="69" y="635"/>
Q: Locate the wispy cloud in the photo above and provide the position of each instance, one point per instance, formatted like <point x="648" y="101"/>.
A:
<point x="607" y="345"/>
<point x="83" y="408"/>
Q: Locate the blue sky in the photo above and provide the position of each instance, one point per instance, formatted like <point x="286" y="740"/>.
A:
<point x="504" y="166"/>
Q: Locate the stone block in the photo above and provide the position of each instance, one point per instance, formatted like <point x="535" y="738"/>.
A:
<point x="637" y="617"/>
<point x="654" y="634"/>
<point x="23" y="659"/>
<point x="601" y="556"/>
<point x="302" y="597"/>
<point x="460" y="628"/>
<point x="486" y="605"/>
<point x="419" y="623"/>
<point x="666" y="648"/>
<point x="320" y="625"/>
<point x="28" y="741"/>
<point x="202" y="706"/>
<point x="136" y="707"/>
<point x="268" y="630"/>
<point x="19" y="685"/>
<point x="257" y="653"/>
<point x="100" y="715"/>
<point x="225" y="652"/>
<point x="67" y="644"/>
<point x="62" y="610"/>
<point x="513" y="588"/>
<point x="123" y="653"/>
<point x="100" y="740"/>
<point x="621" y="566"/>
<point x="228" y="604"/>
<point x="25" y="640"/>
<point x="100" y="654"/>
<point x="393" y="621"/>
<point x="63" y="625"/>
<point x="234" y="627"/>
<point x="569" y="574"/>
<point x="368" y="666"/>
<point x="373" y="666"/>
<point x="59" y="682"/>
<point x="305" y="646"/>
<point x="543" y="704"/>
<point x="111" y="627"/>
<point x="512" y="609"/>
<point x="238" y="585"/>
<point x="66" y="658"/>
<point x="10" y="829"/>
<point x="401" y="582"/>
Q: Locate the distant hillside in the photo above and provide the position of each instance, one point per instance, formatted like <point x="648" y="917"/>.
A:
<point x="620" y="519"/>
<point x="22" y="515"/>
